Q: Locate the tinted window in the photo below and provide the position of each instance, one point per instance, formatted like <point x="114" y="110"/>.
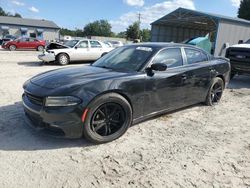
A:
<point x="95" y="44"/>
<point x="195" y="56"/>
<point x="83" y="44"/>
<point x="170" y="57"/>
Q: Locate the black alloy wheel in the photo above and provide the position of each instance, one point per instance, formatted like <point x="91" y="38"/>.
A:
<point x="108" y="118"/>
<point x="215" y="92"/>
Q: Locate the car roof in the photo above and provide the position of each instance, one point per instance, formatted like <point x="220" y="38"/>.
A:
<point x="160" y="45"/>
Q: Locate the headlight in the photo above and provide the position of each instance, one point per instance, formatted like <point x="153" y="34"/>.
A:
<point x="62" y="101"/>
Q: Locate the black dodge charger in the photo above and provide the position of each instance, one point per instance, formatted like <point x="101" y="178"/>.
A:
<point x="126" y="86"/>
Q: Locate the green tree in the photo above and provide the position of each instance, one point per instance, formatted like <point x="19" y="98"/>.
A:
<point x="17" y="15"/>
<point x="122" y="34"/>
<point x="3" y="13"/>
<point x="244" y="10"/>
<point x="133" y="31"/>
<point x="146" y="35"/>
<point x="98" y="28"/>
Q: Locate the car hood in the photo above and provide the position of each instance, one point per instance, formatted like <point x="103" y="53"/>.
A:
<point x="241" y="46"/>
<point x="72" y="76"/>
<point x="55" y="45"/>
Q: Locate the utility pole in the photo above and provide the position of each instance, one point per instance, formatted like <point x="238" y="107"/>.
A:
<point x="139" y="18"/>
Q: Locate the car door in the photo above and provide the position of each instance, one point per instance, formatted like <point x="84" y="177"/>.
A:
<point x="31" y="43"/>
<point x="164" y="89"/>
<point x="81" y="52"/>
<point x="96" y="49"/>
<point x="197" y="75"/>
<point x="22" y="43"/>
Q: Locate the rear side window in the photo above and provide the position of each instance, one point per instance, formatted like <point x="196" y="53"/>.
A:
<point x="95" y="44"/>
<point x="195" y="56"/>
<point x="171" y="57"/>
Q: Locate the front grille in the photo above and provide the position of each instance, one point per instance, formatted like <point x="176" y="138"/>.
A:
<point x="35" y="99"/>
<point x="238" y="54"/>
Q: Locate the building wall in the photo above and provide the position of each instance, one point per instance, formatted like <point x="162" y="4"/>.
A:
<point x="230" y="33"/>
<point x="161" y="33"/>
<point x="48" y="34"/>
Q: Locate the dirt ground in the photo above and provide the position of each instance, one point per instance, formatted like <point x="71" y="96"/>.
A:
<point x="196" y="147"/>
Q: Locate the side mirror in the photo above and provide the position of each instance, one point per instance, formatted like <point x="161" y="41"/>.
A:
<point x="76" y="47"/>
<point x="159" y="67"/>
<point x="240" y="42"/>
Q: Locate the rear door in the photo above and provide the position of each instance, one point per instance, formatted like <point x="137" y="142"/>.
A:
<point x="197" y="75"/>
<point x="32" y="43"/>
<point x="164" y="89"/>
<point x="96" y="49"/>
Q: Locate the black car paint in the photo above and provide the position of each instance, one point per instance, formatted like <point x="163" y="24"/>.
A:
<point x="148" y="94"/>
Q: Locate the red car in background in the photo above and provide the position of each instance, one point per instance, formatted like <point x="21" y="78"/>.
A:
<point x="25" y="43"/>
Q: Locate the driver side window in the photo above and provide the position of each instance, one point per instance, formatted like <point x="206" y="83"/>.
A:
<point x="171" y="57"/>
<point x="83" y="44"/>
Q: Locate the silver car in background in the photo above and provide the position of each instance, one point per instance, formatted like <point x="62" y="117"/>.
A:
<point x="74" y="50"/>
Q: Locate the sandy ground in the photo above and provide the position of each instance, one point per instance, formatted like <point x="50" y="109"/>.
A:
<point x="196" y="147"/>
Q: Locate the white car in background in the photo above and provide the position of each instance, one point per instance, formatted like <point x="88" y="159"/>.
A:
<point x="115" y="44"/>
<point x="74" y="50"/>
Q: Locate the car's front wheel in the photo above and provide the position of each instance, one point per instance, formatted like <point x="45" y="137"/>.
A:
<point x="63" y="59"/>
<point x="215" y="92"/>
<point x="108" y="118"/>
<point x="12" y="47"/>
<point x="40" y="48"/>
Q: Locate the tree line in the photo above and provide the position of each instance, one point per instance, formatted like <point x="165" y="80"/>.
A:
<point x="104" y="28"/>
<point x="4" y="13"/>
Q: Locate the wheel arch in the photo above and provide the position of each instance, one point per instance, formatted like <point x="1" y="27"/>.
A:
<point x="116" y="91"/>
<point x="63" y="53"/>
<point x="222" y="77"/>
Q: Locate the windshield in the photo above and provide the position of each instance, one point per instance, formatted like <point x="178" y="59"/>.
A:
<point x="71" y="43"/>
<point x="248" y="42"/>
<point x="130" y="58"/>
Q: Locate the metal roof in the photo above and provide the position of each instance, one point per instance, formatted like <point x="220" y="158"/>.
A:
<point x="6" y="20"/>
<point x="195" y="13"/>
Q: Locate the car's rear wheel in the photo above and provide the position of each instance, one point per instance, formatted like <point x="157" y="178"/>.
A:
<point x="12" y="47"/>
<point x="215" y="92"/>
<point x="40" y="48"/>
<point x="108" y="118"/>
<point x="63" y="59"/>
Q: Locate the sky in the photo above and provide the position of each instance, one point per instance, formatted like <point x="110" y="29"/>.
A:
<point x="120" y="13"/>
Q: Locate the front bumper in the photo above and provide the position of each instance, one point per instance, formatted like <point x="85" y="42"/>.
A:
<point x="59" y="122"/>
<point x="47" y="57"/>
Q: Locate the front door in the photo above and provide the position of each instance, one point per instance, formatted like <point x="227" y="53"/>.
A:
<point x="81" y="52"/>
<point x="163" y="90"/>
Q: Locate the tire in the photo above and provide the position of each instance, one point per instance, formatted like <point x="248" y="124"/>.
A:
<point x="12" y="47"/>
<point x="63" y="59"/>
<point x="40" y="48"/>
<point x="114" y="116"/>
<point x="215" y="92"/>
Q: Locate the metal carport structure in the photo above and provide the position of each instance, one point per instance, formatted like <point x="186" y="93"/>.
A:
<point x="183" y="24"/>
